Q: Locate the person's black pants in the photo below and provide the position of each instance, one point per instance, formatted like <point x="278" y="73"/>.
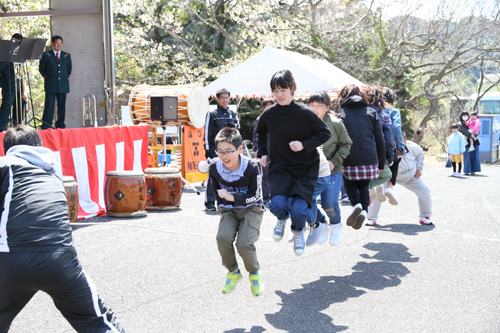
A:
<point x="265" y="180"/>
<point x="209" y="194"/>
<point x="48" y="111"/>
<point x="394" y="170"/>
<point x="358" y="192"/>
<point x="59" y="274"/>
<point x="8" y="97"/>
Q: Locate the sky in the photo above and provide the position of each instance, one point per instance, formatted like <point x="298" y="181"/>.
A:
<point x="429" y="8"/>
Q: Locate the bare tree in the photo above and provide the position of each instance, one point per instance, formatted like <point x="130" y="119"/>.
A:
<point x="452" y="41"/>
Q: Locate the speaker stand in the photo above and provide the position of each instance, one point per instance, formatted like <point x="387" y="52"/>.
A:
<point x="164" y="141"/>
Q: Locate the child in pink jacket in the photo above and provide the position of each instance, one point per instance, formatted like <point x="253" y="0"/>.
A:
<point x="474" y="125"/>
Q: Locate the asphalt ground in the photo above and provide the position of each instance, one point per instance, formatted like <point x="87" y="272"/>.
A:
<point x="398" y="276"/>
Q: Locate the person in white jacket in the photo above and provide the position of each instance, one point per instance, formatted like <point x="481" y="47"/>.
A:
<point x="409" y="176"/>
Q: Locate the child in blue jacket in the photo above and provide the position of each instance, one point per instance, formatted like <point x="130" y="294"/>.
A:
<point x="456" y="149"/>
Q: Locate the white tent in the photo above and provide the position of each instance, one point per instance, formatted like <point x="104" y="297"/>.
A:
<point x="251" y="79"/>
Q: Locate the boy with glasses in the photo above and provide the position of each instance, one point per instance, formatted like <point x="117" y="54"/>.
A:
<point x="216" y="120"/>
<point x="237" y="185"/>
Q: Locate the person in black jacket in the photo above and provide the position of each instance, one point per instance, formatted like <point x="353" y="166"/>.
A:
<point x="217" y="119"/>
<point x="8" y="85"/>
<point x="55" y="67"/>
<point x="366" y="157"/>
<point x="265" y="181"/>
<point x="36" y="245"/>
<point x="294" y="133"/>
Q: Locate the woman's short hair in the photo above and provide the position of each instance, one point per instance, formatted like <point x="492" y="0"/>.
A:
<point x="283" y="79"/>
<point x="373" y="96"/>
<point x="21" y="135"/>
<point x="320" y="97"/>
<point x="348" y="91"/>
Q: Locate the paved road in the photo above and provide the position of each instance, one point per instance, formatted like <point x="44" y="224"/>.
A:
<point x="396" y="277"/>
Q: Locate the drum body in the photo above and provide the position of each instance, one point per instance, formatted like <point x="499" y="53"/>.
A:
<point x="164" y="188"/>
<point x="192" y="103"/>
<point x="125" y="194"/>
<point x="71" y="188"/>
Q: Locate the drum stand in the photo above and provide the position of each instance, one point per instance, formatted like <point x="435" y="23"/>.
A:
<point x="164" y="163"/>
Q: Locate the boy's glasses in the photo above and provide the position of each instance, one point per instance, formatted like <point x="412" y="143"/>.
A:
<point x="224" y="153"/>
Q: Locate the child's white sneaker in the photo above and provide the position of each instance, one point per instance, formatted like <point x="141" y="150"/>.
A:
<point x="425" y="221"/>
<point x="359" y="220"/>
<point x="379" y="190"/>
<point x="391" y="195"/>
<point x="351" y="219"/>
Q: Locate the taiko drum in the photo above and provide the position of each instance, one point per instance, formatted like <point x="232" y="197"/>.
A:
<point x="164" y="188"/>
<point x="192" y="103"/>
<point x="71" y="188"/>
<point x="125" y="193"/>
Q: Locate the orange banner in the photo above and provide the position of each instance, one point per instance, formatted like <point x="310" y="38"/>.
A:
<point x="193" y="154"/>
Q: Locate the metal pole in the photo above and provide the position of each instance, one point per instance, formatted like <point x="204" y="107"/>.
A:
<point x="164" y="127"/>
<point x="109" y="63"/>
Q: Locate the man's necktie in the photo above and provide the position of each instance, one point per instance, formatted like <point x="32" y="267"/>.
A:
<point x="57" y="56"/>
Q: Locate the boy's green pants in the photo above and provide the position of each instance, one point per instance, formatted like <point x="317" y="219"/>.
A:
<point x="242" y="225"/>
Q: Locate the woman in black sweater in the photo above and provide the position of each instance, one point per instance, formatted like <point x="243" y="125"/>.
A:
<point x="367" y="156"/>
<point x="294" y="133"/>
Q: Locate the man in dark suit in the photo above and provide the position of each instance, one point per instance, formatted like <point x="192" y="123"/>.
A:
<point x="8" y="85"/>
<point x="55" y="67"/>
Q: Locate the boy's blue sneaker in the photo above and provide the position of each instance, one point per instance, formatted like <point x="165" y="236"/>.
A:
<point x="316" y="230"/>
<point x="279" y="230"/>
<point x="256" y="284"/>
<point x="231" y="281"/>
<point x="299" y="244"/>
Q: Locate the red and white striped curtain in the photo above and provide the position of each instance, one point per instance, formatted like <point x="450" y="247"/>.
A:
<point x="88" y="154"/>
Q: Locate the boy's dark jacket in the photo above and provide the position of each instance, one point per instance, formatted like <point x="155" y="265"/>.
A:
<point x="247" y="190"/>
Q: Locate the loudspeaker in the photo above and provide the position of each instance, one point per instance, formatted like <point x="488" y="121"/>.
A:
<point x="164" y="108"/>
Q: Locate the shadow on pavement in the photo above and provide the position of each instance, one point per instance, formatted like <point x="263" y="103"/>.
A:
<point x="255" y="329"/>
<point x="103" y="219"/>
<point x="301" y="309"/>
<point x="408" y="229"/>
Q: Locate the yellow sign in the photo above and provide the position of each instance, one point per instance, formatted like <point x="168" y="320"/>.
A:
<point x="193" y="154"/>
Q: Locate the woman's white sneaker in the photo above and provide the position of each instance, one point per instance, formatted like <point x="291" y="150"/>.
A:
<point x="335" y="233"/>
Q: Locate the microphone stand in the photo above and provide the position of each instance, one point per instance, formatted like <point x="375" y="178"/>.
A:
<point x="33" y="118"/>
